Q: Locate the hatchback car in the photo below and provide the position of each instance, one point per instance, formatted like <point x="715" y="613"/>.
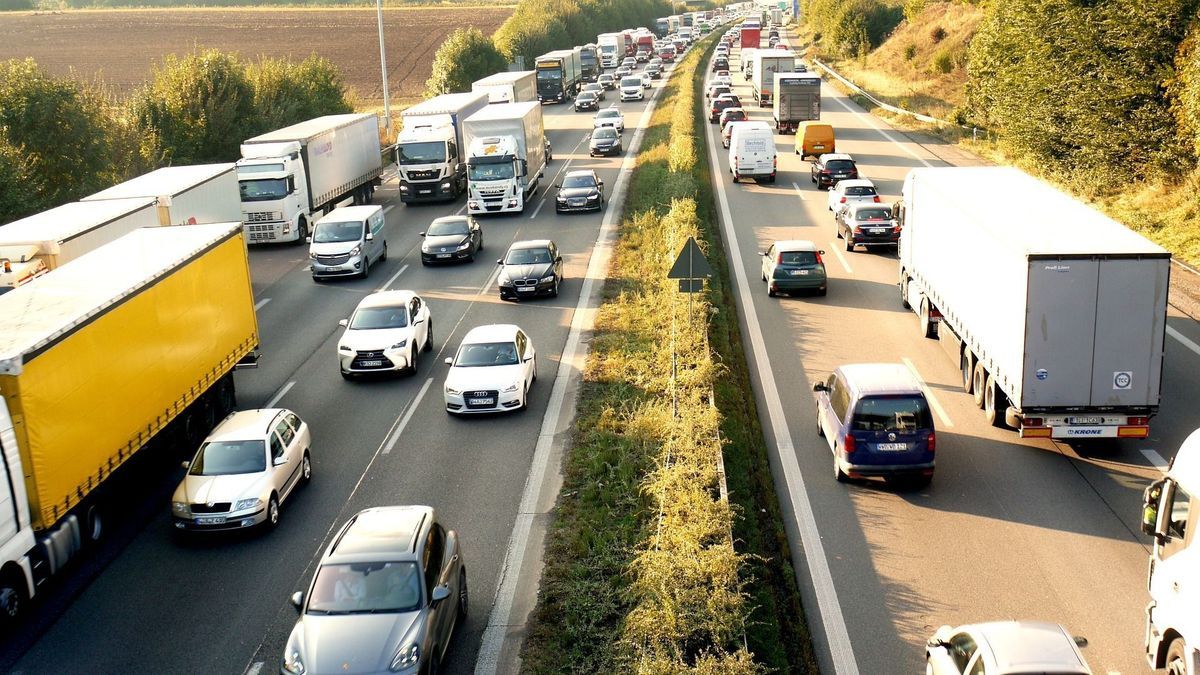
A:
<point x="623" y="72"/>
<point x="1005" y="648"/>
<point x="831" y="168"/>
<point x="647" y="79"/>
<point x="607" y="80"/>
<point x="609" y="117"/>
<point x="877" y="422"/>
<point x="530" y="268"/>
<point x="718" y="105"/>
<point x="629" y="61"/>
<point x="720" y="63"/>
<point x="451" y="239"/>
<point x="581" y="190"/>
<point x="587" y="100"/>
<point x="384" y="333"/>
<point x="605" y="141"/>
<point x="654" y="71"/>
<point x="794" y="265"/>
<point x="492" y="371"/>
<point x="247" y="467"/>
<point x="715" y="90"/>
<point x="386" y="597"/>
<point x="869" y="225"/>
<point x="851" y="191"/>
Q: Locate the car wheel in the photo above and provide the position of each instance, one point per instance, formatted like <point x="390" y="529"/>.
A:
<point x="435" y="665"/>
<point x="820" y="429"/>
<point x="1177" y="658"/>
<point x="839" y="475"/>
<point x="554" y="291"/>
<point x="306" y="469"/>
<point x="849" y="243"/>
<point x="811" y="177"/>
<point x="412" y="361"/>
<point x="838" y="232"/>
<point x="272" y="513"/>
<point x="429" y="337"/>
<point x="534" y="369"/>
<point x="366" y="267"/>
<point x="346" y="375"/>
<point x="770" y="291"/>
<point x="424" y="262"/>
<point x="822" y="291"/>
<point x="383" y="256"/>
<point x="524" y="398"/>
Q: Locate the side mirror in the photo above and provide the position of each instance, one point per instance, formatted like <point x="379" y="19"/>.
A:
<point x="420" y="234"/>
<point x="1150" y="502"/>
<point x="186" y="465"/>
<point x="1080" y="641"/>
<point x="279" y="461"/>
<point x="370" y="237"/>
<point x="449" y="361"/>
<point x="344" y="322"/>
<point x="499" y="262"/>
<point x="460" y="167"/>
<point x="308" y="240"/>
<point x="763" y="253"/>
<point x="821" y="252"/>
<point x="298" y="600"/>
<point x="439" y="594"/>
<point x="558" y="259"/>
<point x="600" y="183"/>
<point x="558" y="186"/>
<point x="820" y="386"/>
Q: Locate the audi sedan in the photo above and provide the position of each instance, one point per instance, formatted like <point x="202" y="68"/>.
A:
<point x="580" y="190"/>
<point x="384" y="333"/>
<point x="451" y="239"/>
<point x="492" y="371"/>
<point x="530" y="268"/>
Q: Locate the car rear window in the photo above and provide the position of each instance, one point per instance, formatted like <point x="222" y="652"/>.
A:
<point x="839" y="164"/>
<point x="798" y="257"/>
<point x="859" y="190"/>
<point x="901" y="413"/>
<point x="874" y="214"/>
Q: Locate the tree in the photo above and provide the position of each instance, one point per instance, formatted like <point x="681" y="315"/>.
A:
<point x="286" y="92"/>
<point x="466" y="55"/>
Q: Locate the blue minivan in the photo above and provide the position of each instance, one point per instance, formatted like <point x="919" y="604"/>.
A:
<point x="877" y="422"/>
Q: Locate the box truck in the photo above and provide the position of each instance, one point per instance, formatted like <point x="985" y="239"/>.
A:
<point x="1055" y="313"/>
<point x="105" y="366"/>
<point x="292" y="176"/>
<point x="762" y="73"/>
<point x="589" y="63"/>
<point x="1172" y="637"/>
<point x="797" y="99"/>
<point x="558" y="75"/>
<point x="186" y="195"/>
<point x="516" y="86"/>
<point x="749" y="36"/>
<point x="612" y="49"/>
<point x="429" y="149"/>
<point x="662" y="26"/>
<point x="506" y="156"/>
<point x="32" y="246"/>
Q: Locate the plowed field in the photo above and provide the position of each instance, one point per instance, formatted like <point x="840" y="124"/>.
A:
<point x="121" y="46"/>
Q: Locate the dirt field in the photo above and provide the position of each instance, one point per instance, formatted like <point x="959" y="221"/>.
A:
<point x="121" y="46"/>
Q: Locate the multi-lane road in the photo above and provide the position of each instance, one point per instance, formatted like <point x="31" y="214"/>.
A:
<point x="220" y="604"/>
<point x="1009" y="528"/>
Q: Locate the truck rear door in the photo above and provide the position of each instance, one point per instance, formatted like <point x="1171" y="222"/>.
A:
<point x="1130" y="321"/>
<point x="1060" y="330"/>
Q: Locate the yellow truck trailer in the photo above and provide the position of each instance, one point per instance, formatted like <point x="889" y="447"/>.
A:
<point x="124" y="350"/>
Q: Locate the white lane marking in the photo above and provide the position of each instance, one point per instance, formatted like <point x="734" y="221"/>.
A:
<point x="539" y="208"/>
<point x="836" y="634"/>
<point x="835" y="246"/>
<point x="1183" y="340"/>
<point x="255" y="668"/>
<point x="387" y="208"/>
<point x="871" y="123"/>
<point x="460" y="210"/>
<point x="412" y="407"/>
<point x="258" y="305"/>
<point x="799" y="192"/>
<point x="933" y="402"/>
<point x="1156" y="460"/>
<point x="389" y="282"/>
<point x="573" y="357"/>
<point x="490" y="280"/>
<point x="279" y="394"/>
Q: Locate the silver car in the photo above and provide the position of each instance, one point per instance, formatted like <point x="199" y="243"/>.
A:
<point x="385" y="598"/>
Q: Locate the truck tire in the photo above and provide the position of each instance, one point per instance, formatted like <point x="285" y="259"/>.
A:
<point x="929" y="327"/>
<point x="904" y="292"/>
<point x="979" y="380"/>
<point x="1176" y="662"/>
<point x="995" y="404"/>
<point x="14" y="595"/>
<point x="967" y="366"/>
<point x="301" y="231"/>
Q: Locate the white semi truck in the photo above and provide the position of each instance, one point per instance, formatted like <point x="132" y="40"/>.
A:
<point x="508" y="87"/>
<point x="767" y="62"/>
<point x="506" y="156"/>
<point x="430" y="150"/>
<point x="292" y="176"/>
<point x="612" y="49"/>
<point x="186" y="195"/>
<point x="1055" y="313"/>
<point x="1172" y="620"/>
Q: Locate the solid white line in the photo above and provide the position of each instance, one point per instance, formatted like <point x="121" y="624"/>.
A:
<point x="460" y="210"/>
<point x="412" y="407"/>
<point x="255" y="668"/>
<point x="837" y="637"/>
<point x="258" y="305"/>
<point x="279" y="394"/>
<point x="1183" y="340"/>
<point x="799" y="192"/>
<point x="487" y="285"/>
<point x="539" y="208"/>
<point x="835" y="246"/>
<point x="387" y="208"/>
<point x="389" y="282"/>
<point x="933" y="402"/>
<point x="865" y="117"/>
<point x="1156" y="460"/>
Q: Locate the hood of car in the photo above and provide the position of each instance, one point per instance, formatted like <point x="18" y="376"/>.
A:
<point x="533" y="271"/>
<point x="333" y="248"/>
<point x="577" y="192"/>
<point x="369" y="340"/>
<point x="354" y="644"/>
<point x="447" y="240"/>
<point x="484" y="378"/>
<point x="602" y="142"/>
<point x="228" y="488"/>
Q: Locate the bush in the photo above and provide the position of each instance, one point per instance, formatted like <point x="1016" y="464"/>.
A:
<point x="937" y="34"/>
<point x="853" y="27"/>
<point x="1185" y="91"/>
<point x="913" y="9"/>
<point x="466" y="55"/>
<point x="15" y="5"/>
<point x="942" y="62"/>
<point x="540" y="26"/>
<point x="286" y="92"/>
<point x="910" y="52"/>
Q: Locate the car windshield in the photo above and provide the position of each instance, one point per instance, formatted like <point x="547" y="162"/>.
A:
<point x="426" y="152"/>
<point x="874" y="214"/>
<point x="222" y="458"/>
<point x="490" y="171"/>
<point x="375" y="318"/>
<point x="578" y="182"/>
<point x="366" y="588"/>
<point x="332" y="232"/>
<point x="607" y="78"/>
<point x="631" y="82"/>
<point x="586" y="96"/>
<point x="839" y="165"/>
<point x="444" y="228"/>
<point x="860" y="190"/>
<point x="605" y="133"/>
<point x="263" y="189"/>
<point x="902" y="413"/>
<point x="483" y="354"/>
<point x="608" y="114"/>
<point x="527" y="256"/>
<point x="798" y="257"/>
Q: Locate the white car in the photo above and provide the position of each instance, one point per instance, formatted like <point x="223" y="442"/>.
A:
<point x="384" y="333"/>
<point x="632" y="88"/>
<point x="492" y="372"/>
<point x="847" y="192"/>
<point x="249" y="465"/>
<point x="722" y="79"/>
<point x="1004" y="647"/>
<point x="609" y="117"/>
<point x="646" y="79"/>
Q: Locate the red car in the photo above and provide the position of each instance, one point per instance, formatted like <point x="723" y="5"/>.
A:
<point x="667" y="55"/>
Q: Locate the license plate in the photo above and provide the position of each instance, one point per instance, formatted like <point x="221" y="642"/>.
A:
<point x="891" y="446"/>
<point x="443" y="255"/>
<point x="524" y="289"/>
<point x="482" y="401"/>
<point x="210" y="520"/>
<point x="799" y="273"/>
<point x="875" y="230"/>
<point x="425" y="192"/>
<point x="818" y="147"/>
<point x="374" y="363"/>
<point x="1085" y="420"/>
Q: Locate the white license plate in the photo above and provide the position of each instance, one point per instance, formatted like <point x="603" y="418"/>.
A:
<point x="525" y="289"/>
<point x="877" y="230"/>
<point x="1085" y="420"/>
<point x="210" y="520"/>
<point x="443" y="255"/>
<point x="818" y="147"/>
<point x="891" y="446"/>
<point x="799" y="273"/>
<point x="369" y="364"/>
<point x="425" y="192"/>
<point x="482" y="401"/>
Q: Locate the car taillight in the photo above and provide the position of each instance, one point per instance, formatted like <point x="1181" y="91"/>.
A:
<point x="779" y="259"/>
<point x="1139" y="421"/>
<point x="876" y="199"/>
<point x="931" y="442"/>
<point x="848" y="444"/>
<point x="826" y="172"/>
<point x="819" y="260"/>
<point x="842" y="200"/>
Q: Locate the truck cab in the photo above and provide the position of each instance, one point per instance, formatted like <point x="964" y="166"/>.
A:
<point x="274" y="191"/>
<point x="19" y="265"/>
<point x="497" y="176"/>
<point x="430" y="164"/>
<point x="1172" y="622"/>
<point x="16" y="531"/>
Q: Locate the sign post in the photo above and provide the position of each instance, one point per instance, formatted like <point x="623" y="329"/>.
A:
<point x="691" y="269"/>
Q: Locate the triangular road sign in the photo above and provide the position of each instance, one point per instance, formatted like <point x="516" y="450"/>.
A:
<point x="691" y="263"/>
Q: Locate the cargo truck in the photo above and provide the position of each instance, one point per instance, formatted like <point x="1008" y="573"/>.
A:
<point x="777" y="16"/>
<point x="507" y="155"/>
<point x="589" y="63"/>
<point x="762" y="74"/>
<point x="1172" y="637"/>
<point x="612" y="49"/>
<point x="1055" y="313"/>
<point x="662" y="26"/>
<point x="508" y="87"/>
<point x="33" y="246"/>
<point x="185" y="195"/>
<point x="558" y="75"/>
<point x="673" y="23"/>
<point x="797" y="99"/>
<point x="106" y="369"/>
<point x="292" y="176"/>
<point x="644" y="46"/>
<point x="749" y="36"/>
<point x="429" y="149"/>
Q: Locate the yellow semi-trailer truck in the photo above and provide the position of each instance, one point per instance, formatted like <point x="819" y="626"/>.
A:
<point x="126" y="353"/>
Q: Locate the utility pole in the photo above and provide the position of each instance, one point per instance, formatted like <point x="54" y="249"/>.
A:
<point x="387" y="106"/>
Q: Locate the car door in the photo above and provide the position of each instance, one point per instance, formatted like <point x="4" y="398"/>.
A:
<point x="835" y="412"/>
<point x="524" y="352"/>
<point x="441" y="614"/>
<point x="417" y="317"/>
<point x="280" y="471"/>
<point x="287" y="450"/>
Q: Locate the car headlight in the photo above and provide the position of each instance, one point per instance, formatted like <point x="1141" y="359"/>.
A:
<point x="510" y="389"/>
<point x="252" y="503"/>
<point x="292" y="663"/>
<point x="465" y="245"/>
<point x="180" y="508"/>
<point x="399" y="344"/>
<point x="593" y="197"/>
<point x="561" y="199"/>
<point x="356" y="250"/>
<point x="446" y="186"/>
<point x="312" y="256"/>
<point x="452" y="391"/>
<point x="547" y="279"/>
<point x="406" y="657"/>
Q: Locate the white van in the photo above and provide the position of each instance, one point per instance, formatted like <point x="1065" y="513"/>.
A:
<point x="752" y="151"/>
<point x="347" y="242"/>
<point x="631" y="88"/>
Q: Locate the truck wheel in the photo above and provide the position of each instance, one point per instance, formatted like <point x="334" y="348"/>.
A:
<point x="13" y="596"/>
<point x="979" y="379"/>
<point x="301" y="231"/>
<point x="967" y="366"/>
<point x="995" y="404"/>
<point x="929" y="327"/>
<point x="904" y="293"/>
<point x="1177" y="658"/>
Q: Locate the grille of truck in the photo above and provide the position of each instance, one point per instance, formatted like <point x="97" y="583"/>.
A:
<point x="423" y="175"/>
<point x="215" y="507"/>
<point x="260" y="232"/>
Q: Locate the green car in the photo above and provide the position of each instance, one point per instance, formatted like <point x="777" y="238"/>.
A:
<point x="794" y="265"/>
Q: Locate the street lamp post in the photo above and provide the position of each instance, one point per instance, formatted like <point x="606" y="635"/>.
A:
<point x="387" y="106"/>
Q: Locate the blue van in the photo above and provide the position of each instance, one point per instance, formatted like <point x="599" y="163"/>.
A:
<point x="877" y="422"/>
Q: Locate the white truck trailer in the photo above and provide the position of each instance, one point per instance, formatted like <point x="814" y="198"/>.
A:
<point x="1172" y="622"/>
<point x="516" y="86"/>
<point x="767" y="62"/>
<point x="1055" y="313"/>
<point x="32" y="246"/>
<point x="292" y="176"/>
<point x="506" y="150"/>
<point x="430" y="150"/>
<point x="186" y="195"/>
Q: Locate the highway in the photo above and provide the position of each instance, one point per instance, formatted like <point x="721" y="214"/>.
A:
<point x="219" y="604"/>
<point x="1009" y="528"/>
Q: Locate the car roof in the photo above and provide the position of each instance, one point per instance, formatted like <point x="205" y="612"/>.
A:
<point x="386" y="299"/>
<point x="351" y="213"/>
<point x="530" y="243"/>
<point x="1030" y="646"/>
<point x="491" y="333"/>
<point x="381" y="533"/>
<point x="608" y="110"/>
<point x="245" y="424"/>
<point x="853" y="182"/>
<point x="880" y="378"/>
<point x="581" y="172"/>
<point x="834" y="155"/>
<point x="855" y="207"/>
<point x="791" y="245"/>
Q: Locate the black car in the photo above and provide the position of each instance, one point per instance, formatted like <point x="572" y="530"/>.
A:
<point x="832" y="167"/>
<point x="580" y="191"/>
<point x="608" y="81"/>
<point x="605" y="141"/>
<point x="530" y="268"/>
<point x="451" y="239"/>
<point x="720" y="63"/>
<point x="595" y="87"/>
<point x="587" y="100"/>
<point x="868" y="225"/>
